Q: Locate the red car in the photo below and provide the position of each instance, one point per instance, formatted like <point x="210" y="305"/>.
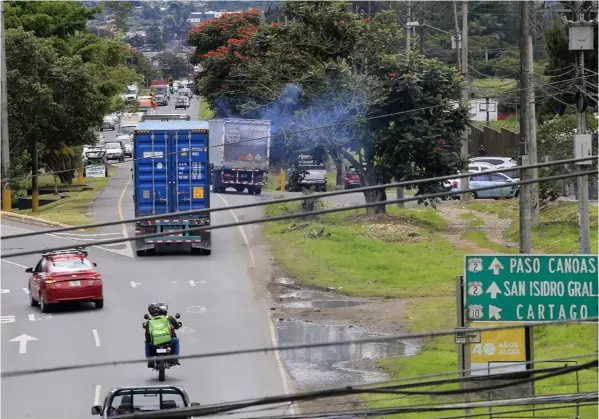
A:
<point x="352" y="180"/>
<point x="62" y="276"/>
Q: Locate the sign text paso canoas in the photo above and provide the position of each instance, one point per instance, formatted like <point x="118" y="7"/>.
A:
<point x="525" y="288"/>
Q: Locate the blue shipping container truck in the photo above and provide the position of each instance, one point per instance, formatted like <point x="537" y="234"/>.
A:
<point x="171" y="174"/>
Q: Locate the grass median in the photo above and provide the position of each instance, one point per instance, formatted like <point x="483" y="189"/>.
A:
<point x="405" y="254"/>
<point x="75" y="209"/>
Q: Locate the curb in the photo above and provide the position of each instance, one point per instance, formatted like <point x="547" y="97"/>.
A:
<point x="23" y="217"/>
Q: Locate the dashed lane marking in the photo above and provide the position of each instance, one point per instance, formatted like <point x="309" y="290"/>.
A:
<point x="96" y="337"/>
<point x="97" y="395"/>
<point x="89" y="235"/>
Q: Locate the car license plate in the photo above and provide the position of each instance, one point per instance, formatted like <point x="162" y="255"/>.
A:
<point x="160" y="351"/>
<point x="75" y="283"/>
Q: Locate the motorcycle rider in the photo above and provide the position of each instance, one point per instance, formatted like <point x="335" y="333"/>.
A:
<point x="161" y="309"/>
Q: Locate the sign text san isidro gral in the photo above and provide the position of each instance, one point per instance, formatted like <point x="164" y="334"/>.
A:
<point x="525" y="288"/>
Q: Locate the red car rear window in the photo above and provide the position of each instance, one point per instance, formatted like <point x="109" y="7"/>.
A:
<point x="70" y="265"/>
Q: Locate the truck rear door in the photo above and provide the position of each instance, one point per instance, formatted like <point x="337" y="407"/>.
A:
<point x="189" y="189"/>
<point x="151" y="169"/>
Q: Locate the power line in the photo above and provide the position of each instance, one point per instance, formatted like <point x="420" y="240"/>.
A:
<point x="287" y="200"/>
<point x="302" y="215"/>
<point x="286" y="133"/>
<point x="212" y="410"/>
<point x="404" y="336"/>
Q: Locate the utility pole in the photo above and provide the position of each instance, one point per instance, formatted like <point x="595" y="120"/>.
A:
<point x="6" y="194"/>
<point x="525" y="121"/>
<point x="535" y="208"/>
<point x="581" y="126"/>
<point x="465" y="93"/>
<point x="487" y="109"/>
<point x="407" y="28"/>
<point x="458" y="46"/>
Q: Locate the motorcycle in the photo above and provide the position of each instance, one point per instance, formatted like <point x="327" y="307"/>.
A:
<point x="159" y="364"/>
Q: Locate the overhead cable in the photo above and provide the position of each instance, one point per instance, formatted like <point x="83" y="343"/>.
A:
<point x="294" y="199"/>
<point x="300" y="215"/>
<point x="403" y="336"/>
<point x="228" y="407"/>
<point x="286" y="133"/>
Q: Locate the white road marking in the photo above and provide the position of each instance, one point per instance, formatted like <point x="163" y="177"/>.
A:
<point x="4" y="291"/>
<point x="14" y="263"/>
<point x="89" y="235"/>
<point x="273" y="333"/>
<point x="7" y="319"/>
<point x="96" y="337"/>
<point x="118" y="252"/>
<point x="134" y="284"/>
<point x="23" y="339"/>
<point x="32" y="317"/>
<point x="195" y="309"/>
<point x="245" y="237"/>
<point x="25" y="290"/>
<point x="120" y="210"/>
<point x="192" y="283"/>
<point x="97" y="395"/>
<point x="175" y="282"/>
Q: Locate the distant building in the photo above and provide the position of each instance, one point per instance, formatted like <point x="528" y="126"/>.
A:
<point x="478" y="109"/>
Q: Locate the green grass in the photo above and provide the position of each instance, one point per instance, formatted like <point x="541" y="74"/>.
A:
<point x="439" y="355"/>
<point x="73" y="210"/>
<point x="397" y="256"/>
<point x="205" y="111"/>
<point x="494" y="87"/>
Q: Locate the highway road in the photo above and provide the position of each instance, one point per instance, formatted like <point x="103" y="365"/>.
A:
<point x="221" y="308"/>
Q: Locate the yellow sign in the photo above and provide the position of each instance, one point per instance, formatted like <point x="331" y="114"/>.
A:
<point x="198" y="192"/>
<point x="507" y="345"/>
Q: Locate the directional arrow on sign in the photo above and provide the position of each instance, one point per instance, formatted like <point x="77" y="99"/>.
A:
<point x="493" y="290"/>
<point x="494" y="312"/>
<point x="496" y="266"/>
<point x="23" y="339"/>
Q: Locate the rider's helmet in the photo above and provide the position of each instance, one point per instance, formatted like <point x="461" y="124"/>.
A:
<point x="154" y="309"/>
<point x="163" y="308"/>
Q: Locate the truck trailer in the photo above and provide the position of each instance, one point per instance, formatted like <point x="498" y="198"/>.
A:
<point x="171" y="174"/>
<point x="239" y="154"/>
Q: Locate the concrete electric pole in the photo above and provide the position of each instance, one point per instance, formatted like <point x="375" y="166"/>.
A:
<point x="525" y="122"/>
<point x="465" y="93"/>
<point x="581" y="39"/>
<point x="6" y="194"/>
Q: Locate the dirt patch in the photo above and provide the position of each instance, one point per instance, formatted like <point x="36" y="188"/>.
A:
<point x="496" y="228"/>
<point x="457" y="226"/>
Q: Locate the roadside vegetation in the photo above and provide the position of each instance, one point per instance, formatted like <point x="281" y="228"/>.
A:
<point x="72" y="207"/>
<point x="415" y="255"/>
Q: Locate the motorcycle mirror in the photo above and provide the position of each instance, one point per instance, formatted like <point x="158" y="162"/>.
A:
<point x="177" y="316"/>
<point x="146" y="316"/>
<point x="96" y="410"/>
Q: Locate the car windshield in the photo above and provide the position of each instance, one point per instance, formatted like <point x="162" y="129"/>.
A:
<point x="113" y="145"/>
<point x="70" y="265"/>
<point x="128" y="130"/>
<point x="145" y="400"/>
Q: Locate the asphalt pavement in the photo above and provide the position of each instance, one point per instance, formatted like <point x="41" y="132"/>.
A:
<point x="220" y="307"/>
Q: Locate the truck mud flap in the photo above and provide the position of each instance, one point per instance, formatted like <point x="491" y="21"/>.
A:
<point x="205" y="243"/>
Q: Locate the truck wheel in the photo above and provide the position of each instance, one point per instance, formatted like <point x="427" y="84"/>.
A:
<point x="251" y="190"/>
<point x="240" y="188"/>
<point x="257" y="190"/>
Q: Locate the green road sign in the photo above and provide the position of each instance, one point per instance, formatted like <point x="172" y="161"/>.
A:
<point x="529" y="288"/>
